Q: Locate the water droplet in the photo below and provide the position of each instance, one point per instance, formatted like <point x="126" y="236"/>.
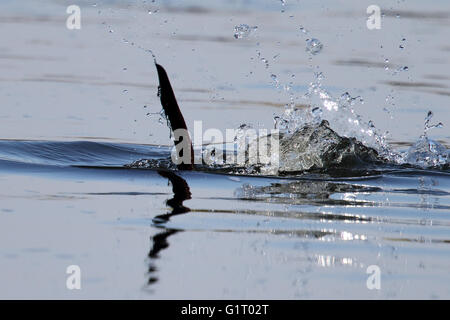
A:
<point x="243" y="31"/>
<point x="316" y="112"/>
<point x="275" y="79"/>
<point x="265" y="61"/>
<point x="313" y="46"/>
<point x="303" y="30"/>
<point x="428" y="126"/>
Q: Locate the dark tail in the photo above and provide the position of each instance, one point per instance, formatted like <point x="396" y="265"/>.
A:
<point x="173" y="113"/>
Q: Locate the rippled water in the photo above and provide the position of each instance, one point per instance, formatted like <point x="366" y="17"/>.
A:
<point x="260" y="236"/>
<point x="86" y="177"/>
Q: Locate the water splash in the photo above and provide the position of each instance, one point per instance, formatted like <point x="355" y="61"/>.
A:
<point x="306" y="144"/>
<point x="340" y="116"/>
<point x="426" y="152"/>
<point x="326" y="135"/>
<point x="336" y="123"/>
<point x="318" y="147"/>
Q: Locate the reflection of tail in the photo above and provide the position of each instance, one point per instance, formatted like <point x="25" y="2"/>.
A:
<point x="181" y="192"/>
<point x="160" y="242"/>
<point x="180" y="187"/>
<point x="173" y="113"/>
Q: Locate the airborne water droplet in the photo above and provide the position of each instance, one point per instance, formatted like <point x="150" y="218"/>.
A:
<point x="275" y="79"/>
<point x="266" y="62"/>
<point x="313" y="46"/>
<point x="303" y="30"/>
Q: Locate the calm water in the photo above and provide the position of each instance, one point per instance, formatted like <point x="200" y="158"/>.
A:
<point x="77" y="106"/>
